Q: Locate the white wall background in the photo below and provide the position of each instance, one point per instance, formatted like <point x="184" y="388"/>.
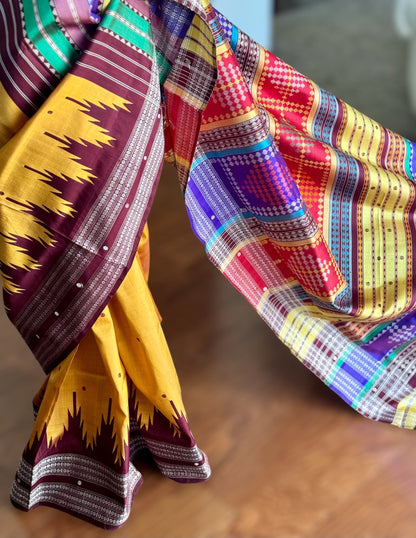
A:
<point x="254" y="17"/>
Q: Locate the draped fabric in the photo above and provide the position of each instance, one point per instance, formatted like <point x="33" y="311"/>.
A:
<point x="115" y="396"/>
<point x="304" y="204"/>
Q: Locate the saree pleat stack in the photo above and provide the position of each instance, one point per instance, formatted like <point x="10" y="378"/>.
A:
<point x="304" y="204"/>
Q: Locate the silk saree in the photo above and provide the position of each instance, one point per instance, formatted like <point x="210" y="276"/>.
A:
<point x="304" y="204"/>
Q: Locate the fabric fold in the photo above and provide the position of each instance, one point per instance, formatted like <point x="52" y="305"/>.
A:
<point x="114" y="396"/>
<point x="80" y="216"/>
<point x="304" y="204"/>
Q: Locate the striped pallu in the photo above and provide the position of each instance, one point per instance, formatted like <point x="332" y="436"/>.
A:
<point x="307" y="206"/>
<point x="304" y="204"/>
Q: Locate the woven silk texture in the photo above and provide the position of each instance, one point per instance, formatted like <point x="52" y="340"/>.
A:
<point x="304" y="204"/>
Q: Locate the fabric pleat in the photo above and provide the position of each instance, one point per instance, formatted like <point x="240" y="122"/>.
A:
<point x="303" y="203"/>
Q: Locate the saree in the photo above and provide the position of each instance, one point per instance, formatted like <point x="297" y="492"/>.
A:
<point x="303" y="203"/>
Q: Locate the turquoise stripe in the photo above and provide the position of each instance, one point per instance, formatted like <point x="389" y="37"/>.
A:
<point x="49" y="26"/>
<point x="367" y="387"/>
<point x="246" y="214"/>
<point x="379" y="371"/>
<point x="277" y="218"/>
<point x="375" y="332"/>
<point x="164" y="67"/>
<point x="409" y="155"/>
<point x="220" y="230"/>
<point x="239" y="151"/>
<point x="338" y="366"/>
<point x="234" y="38"/>
<point x="197" y="162"/>
<point x="234" y="151"/>
<point x="132" y="29"/>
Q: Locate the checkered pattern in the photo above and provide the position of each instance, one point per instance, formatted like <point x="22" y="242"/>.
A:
<point x="307" y="182"/>
<point x="303" y="203"/>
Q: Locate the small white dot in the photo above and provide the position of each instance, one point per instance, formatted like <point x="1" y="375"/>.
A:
<point x="37" y="336"/>
<point x="105" y="247"/>
<point x="79" y="482"/>
<point x="265" y="288"/>
<point x="127" y="206"/>
<point x="212" y="217"/>
<point x="56" y="314"/>
<point x="80" y="285"/>
<point x="196" y="464"/>
<point x="145" y="158"/>
<point x="239" y="254"/>
<point x="158" y="115"/>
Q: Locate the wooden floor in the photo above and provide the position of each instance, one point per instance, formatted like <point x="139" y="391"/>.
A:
<point x="289" y="459"/>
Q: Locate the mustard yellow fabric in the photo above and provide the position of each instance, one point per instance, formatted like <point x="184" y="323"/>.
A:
<point x="125" y="353"/>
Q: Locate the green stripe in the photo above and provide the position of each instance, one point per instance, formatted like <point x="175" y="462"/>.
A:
<point x="125" y="30"/>
<point x="132" y="17"/>
<point x="164" y="67"/>
<point x="367" y="387"/>
<point x="337" y="366"/>
<point x="407" y="161"/>
<point x="379" y="371"/>
<point x="53" y="31"/>
<point x="374" y="332"/>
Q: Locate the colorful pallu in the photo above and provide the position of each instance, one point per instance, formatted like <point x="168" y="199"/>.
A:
<point x="304" y="204"/>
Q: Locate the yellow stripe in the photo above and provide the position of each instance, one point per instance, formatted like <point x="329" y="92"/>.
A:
<point x="232" y="254"/>
<point x="383" y="221"/>
<point x="361" y="136"/>
<point x="259" y="71"/>
<point x="311" y="241"/>
<point x="182" y="161"/>
<point x="405" y="416"/>
<point x="223" y="48"/>
<point x="185" y="95"/>
<point x="230" y="121"/>
<point x="11" y="117"/>
<point x="327" y="217"/>
<point x="300" y="329"/>
<point x="314" y="107"/>
<point x="199" y="40"/>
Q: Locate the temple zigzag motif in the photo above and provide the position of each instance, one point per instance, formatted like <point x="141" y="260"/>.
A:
<point x="109" y="397"/>
<point x="59" y="168"/>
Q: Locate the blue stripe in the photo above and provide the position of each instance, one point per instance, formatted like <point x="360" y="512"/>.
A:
<point x="354" y="374"/>
<point x="276" y="218"/>
<point x="234" y="38"/>
<point x="245" y="215"/>
<point x="220" y="230"/>
<point x="234" y="151"/>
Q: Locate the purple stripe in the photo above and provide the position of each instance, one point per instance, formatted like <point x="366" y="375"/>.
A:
<point x="23" y="75"/>
<point x="76" y="19"/>
<point x="354" y="374"/>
